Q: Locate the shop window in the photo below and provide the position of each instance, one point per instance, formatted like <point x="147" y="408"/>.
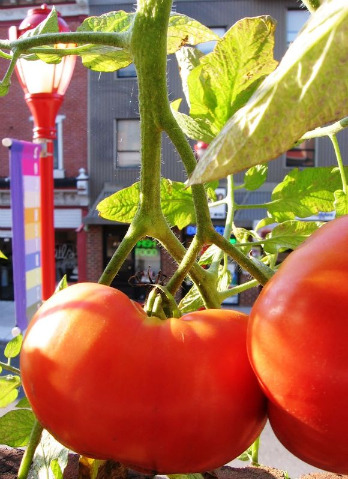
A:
<point x="6" y="273"/>
<point x="302" y="155"/>
<point x="127" y="143"/>
<point x="147" y="264"/>
<point x="295" y="19"/>
<point x="66" y="255"/>
<point x="208" y="47"/>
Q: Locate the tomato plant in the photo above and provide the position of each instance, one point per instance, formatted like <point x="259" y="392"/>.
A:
<point x="297" y="345"/>
<point x="111" y="382"/>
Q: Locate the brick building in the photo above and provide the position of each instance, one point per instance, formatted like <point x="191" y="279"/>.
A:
<point x="71" y="204"/>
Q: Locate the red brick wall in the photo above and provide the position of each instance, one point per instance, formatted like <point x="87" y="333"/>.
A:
<point x="14" y="115"/>
<point x="94" y="259"/>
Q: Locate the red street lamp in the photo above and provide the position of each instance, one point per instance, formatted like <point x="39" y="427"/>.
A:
<point x="44" y="87"/>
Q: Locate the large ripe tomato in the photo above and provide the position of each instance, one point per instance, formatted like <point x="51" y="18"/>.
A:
<point x="169" y="396"/>
<point x="298" y="346"/>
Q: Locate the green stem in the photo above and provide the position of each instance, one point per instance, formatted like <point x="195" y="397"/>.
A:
<point x="205" y="281"/>
<point x="9" y="368"/>
<point x="28" y="455"/>
<point x="261" y="274"/>
<point x="336" y="147"/>
<point x="238" y="289"/>
<point x="133" y="235"/>
<point x="214" y="268"/>
<point x="255" y="452"/>
<point x="120" y="40"/>
<point x="185" y="265"/>
<point x="6" y="81"/>
<point x="325" y="130"/>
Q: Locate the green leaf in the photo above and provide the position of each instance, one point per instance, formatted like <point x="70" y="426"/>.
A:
<point x="188" y="58"/>
<point x="224" y="279"/>
<point x="289" y="235"/>
<point x="186" y="476"/>
<point x="23" y="403"/>
<point x="56" y="470"/>
<point x="49" y="25"/>
<point x="192" y="301"/>
<point x="105" y="59"/>
<point x="302" y="84"/>
<point x="3" y="92"/>
<point x="183" y="30"/>
<point x="255" y="177"/>
<point x="208" y="255"/>
<point x="112" y="22"/>
<point x="196" y="129"/>
<point x="176" y="200"/>
<point x="305" y="193"/>
<point x="177" y="203"/>
<point x="8" y="389"/>
<point x="63" y="283"/>
<point x="49" y="452"/>
<point x="122" y="205"/>
<point x="15" y="427"/>
<point x="227" y="77"/>
<point x="341" y="203"/>
<point x="13" y="347"/>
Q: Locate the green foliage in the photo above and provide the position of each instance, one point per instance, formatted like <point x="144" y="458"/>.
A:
<point x="289" y="235"/>
<point x="9" y="385"/>
<point x="50" y="459"/>
<point x="305" y="193"/>
<point x="255" y="177"/>
<point x="13" y="347"/>
<point x="225" y="79"/>
<point x="15" y="427"/>
<point x="176" y="201"/>
<point x="262" y="130"/>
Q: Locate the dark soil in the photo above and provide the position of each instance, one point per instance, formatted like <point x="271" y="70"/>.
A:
<point x="10" y="459"/>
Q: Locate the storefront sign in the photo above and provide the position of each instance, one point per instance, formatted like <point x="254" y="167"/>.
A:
<point x="26" y="242"/>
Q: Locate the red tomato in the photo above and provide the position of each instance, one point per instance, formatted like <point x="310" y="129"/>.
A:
<point x="297" y="343"/>
<point x="169" y="396"/>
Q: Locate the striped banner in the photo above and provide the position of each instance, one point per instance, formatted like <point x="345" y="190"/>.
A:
<point x="26" y="222"/>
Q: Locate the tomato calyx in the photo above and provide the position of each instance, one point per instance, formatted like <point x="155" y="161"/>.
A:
<point x="161" y="303"/>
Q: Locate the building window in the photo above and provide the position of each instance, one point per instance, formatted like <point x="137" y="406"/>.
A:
<point x="208" y="47"/>
<point x="58" y="148"/>
<point x="127" y="72"/>
<point x="58" y="157"/>
<point x="295" y="19"/>
<point x="127" y="143"/>
<point x="302" y="155"/>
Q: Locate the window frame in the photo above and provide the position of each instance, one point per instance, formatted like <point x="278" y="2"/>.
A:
<point x="117" y="151"/>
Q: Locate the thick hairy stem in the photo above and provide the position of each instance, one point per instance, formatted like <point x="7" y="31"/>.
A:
<point x="203" y="279"/>
<point x="185" y="266"/>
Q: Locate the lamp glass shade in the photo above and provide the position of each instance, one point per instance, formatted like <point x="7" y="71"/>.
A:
<point x="37" y="76"/>
<point x="40" y="77"/>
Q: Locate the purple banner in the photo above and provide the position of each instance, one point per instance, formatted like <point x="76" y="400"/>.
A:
<point x="26" y="244"/>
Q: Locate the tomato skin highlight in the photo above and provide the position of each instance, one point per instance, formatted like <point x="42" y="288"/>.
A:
<point x="297" y="344"/>
<point x="169" y="396"/>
